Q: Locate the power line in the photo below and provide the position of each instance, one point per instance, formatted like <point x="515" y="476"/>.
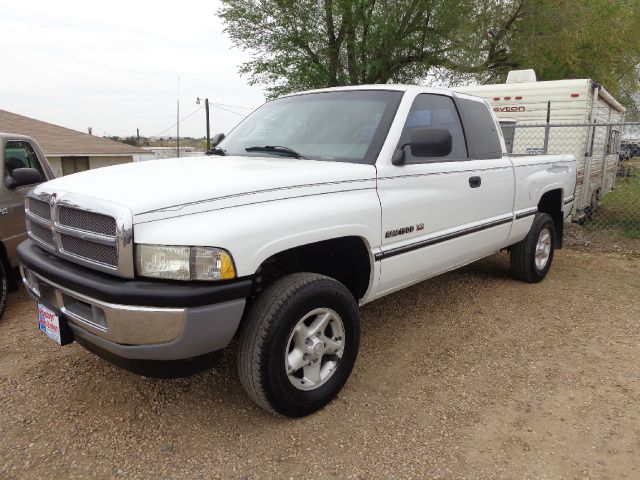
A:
<point x="181" y="120"/>
<point x="235" y="106"/>
<point x="228" y="110"/>
<point x="221" y="106"/>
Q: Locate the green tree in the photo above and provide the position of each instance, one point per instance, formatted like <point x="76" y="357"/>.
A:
<point x="303" y="44"/>
<point x="559" y="39"/>
<point x="601" y="42"/>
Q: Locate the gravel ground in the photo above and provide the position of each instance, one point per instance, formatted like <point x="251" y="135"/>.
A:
<point x="599" y="240"/>
<point x="469" y="375"/>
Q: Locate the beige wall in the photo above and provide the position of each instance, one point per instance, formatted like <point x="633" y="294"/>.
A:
<point x="97" y="162"/>
<point x="56" y="165"/>
<point x="94" y="162"/>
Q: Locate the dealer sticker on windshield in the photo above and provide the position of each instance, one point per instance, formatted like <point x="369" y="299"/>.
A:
<point x="49" y="323"/>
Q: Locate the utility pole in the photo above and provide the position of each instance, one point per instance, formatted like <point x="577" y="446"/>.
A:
<point x="178" y="119"/>
<point x="178" y="125"/>
<point x="206" y="109"/>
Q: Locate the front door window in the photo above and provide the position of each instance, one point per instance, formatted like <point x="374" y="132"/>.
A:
<point x="20" y="155"/>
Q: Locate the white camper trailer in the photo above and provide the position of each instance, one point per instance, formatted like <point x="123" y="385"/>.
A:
<point x="570" y="108"/>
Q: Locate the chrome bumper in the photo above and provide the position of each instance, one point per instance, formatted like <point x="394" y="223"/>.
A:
<point x="122" y="324"/>
<point x="139" y="332"/>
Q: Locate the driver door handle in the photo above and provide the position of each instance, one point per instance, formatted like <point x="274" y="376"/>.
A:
<point x="475" y="182"/>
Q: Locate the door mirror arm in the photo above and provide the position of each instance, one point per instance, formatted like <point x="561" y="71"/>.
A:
<point x="398" y="158"/>
<point x="216" y="139"/>
<point x="10" y="182"/>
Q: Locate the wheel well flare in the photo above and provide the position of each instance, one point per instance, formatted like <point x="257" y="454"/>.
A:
<point x="346" y="259"/>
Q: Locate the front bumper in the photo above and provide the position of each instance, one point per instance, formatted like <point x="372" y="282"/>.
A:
<point x="135" y="319"/>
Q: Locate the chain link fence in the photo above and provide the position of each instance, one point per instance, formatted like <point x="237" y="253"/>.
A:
<point x="607" y="205"/>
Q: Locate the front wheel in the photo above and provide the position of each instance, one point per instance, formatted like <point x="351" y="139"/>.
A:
<point x="531" y="258"/>
<point x="299" y="344"/>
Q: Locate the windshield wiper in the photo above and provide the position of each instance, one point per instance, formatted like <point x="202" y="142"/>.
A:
<point x="216" y="151"/>
<point x="276" y="149"/>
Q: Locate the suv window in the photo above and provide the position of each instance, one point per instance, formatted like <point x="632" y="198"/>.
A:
<point x="20" y="155"/>
<point x="434" y="111"/>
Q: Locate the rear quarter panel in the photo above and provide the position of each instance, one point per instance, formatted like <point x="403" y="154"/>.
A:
<point x="536" y="175"/>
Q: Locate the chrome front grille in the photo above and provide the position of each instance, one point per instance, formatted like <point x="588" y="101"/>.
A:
<point x="42" y="233"/>
<point x="41" y="209"/>
<point x="87" y="221"/>
<point x="82" y="229"/>
<point x="105" y="254"/>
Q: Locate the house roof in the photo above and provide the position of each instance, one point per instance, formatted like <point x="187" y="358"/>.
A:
<point x="57" y="140"/>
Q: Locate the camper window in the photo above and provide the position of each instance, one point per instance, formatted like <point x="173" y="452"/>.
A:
<point x="613" y="140"/>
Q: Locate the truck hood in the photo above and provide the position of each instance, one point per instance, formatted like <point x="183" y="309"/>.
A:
<point x="153" y="189"/>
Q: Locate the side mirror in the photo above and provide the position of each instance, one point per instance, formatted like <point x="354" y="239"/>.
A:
<point x="425" y="142"/>
<point x="430" y="142"/>
<point x="23" y="176"/>
<point x="217" y="138"/>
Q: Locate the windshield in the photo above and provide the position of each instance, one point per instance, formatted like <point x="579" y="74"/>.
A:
<point x="346" y="126"/>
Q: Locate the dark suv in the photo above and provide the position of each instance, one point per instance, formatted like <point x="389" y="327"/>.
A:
<point x="629" y="150"/>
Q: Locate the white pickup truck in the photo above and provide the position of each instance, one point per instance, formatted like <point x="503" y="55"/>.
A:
<point x="316" y="203"/>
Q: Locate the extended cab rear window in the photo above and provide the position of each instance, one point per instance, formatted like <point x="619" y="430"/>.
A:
<point x="481" y="130"/>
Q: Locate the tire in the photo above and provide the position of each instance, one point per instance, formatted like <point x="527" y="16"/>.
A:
<point x="4" y="287"/>
<point x="278" y="330"/>
<point x="523" y="254"/>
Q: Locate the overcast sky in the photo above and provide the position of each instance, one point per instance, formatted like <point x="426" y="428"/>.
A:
<point x="114" y="65"/>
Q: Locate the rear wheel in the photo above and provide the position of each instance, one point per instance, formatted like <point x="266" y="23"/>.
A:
<point x="299" y="344"/>
<point x="531" y="258"/>
<point x="4" y="287"/>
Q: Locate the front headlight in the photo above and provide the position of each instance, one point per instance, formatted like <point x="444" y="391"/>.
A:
<point x="184" y="263"/>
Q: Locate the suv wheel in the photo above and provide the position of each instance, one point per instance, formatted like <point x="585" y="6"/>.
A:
<point x="299" y="344"/>
<point x="531" y="258"/>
